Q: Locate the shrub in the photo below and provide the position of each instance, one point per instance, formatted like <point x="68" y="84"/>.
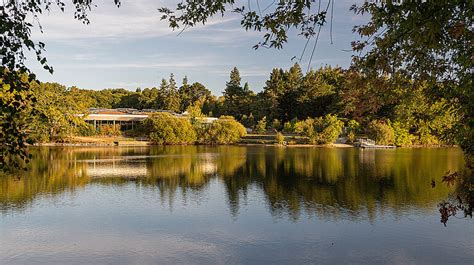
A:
<point x="194" y="112"/>
<point x="322" y="130"/>
<point x="353" y="127"/>
<point x="402" y="135"/>
<point x="110" y="130"/>
<point x="86" y="129"/>
<point x="381" y="132"/>
<point x="225" y="130"/>
<point x="164" y="128"/>
<point x="276" y="125"/>
<point x="137" y="131"/>
<point x="289" y="127"/>
<point x="280" y="138"/>
<point x="261" y="126"/>
<point x="303" y="127"/>
<point x="425" y="135"/>
<point x="40" y="134"/>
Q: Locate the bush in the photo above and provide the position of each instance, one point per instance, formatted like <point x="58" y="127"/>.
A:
<point x="110" y="130"/>
<point x="40" y="134"/>
<point x="353" y="127"/>
<point x="225" y="130"/>
<point x="164" y="128"/>
<point x="86" y="129"/>
<point x="289" y="127"/>
<point x="425" y="135"/>
<point x="322" y="130"/>
<point x="402" y="135"/>
<point x="280" y="138"/>
<point x="261" y="126"/>
<point x="276" y="125"/>
<point x="381" y="132"/>
<point x="304" y="127"/>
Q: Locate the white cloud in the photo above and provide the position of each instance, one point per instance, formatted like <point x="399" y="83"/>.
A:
<point x="134" y="19"/>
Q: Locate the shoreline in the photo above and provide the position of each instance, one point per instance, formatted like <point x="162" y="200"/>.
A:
<point x="130" y="143"/>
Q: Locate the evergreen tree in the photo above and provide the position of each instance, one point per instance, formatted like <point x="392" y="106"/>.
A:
<point x="185" y="94"/>
<point x="172" y="99"/>
<point x="190" y="94"/>
<point x="273" y="90"/>
<point x="238" y="100"/>
<point x="148" y="98"/>
<point x="233" y="87"/>
<point x="293" y="80"/>
<point x="232" y="94"/>
<point x="317" y="95"/>
<point x="161" y="100"/>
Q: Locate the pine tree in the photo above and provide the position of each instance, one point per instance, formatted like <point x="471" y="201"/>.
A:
<point x="238" y="99"/>
<point x="293" y="80"/>
<point x="160" y="99"/>
<point x="274" y="89"/>
<point x="172" y="99"/>
<point x="185" y="94"/>
<point x="232" y="93"/>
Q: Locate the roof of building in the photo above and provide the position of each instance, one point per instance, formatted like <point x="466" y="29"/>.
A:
<point x="127" y="114"/>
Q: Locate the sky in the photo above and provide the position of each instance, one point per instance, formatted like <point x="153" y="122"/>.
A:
<point x="130" y="47"/>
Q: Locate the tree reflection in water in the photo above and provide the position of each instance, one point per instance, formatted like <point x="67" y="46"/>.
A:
<point x="332" y="183"/>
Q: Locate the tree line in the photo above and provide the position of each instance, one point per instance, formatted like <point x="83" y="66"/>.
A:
<point x="320" y="104"/>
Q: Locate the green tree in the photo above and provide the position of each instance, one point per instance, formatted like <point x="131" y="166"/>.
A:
<point x="317" y="94"/>
<point x="287" y="102"/>
<point x="148" y="98"/>
<point x="225" y="130"/>
<point x="54" y="116"/>
<point x="171" y="98"/>
<point x="184" y="94"/>
<point x="213" y="106"/>
<point x="191" y="93"/>
<point x="160" y="100"/>
<point x="352" y="128"/>
<point x="363" y="98"/>
<point x="382" y="132"/>
<point x="322" y="130"/>
<point x="238" y="99"/>
<point x="232" y="93"/>
<point x="437" y="116"/>
<point x="402" y="135"/>
<point x="164" y="128"/>
<point x="427" y="41"/>
<point x="273" y="90"/>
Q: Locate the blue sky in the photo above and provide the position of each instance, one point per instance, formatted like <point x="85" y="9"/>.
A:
<point x="129" y="47"/>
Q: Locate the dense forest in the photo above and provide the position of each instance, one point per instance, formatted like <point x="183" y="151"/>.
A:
<point x="320" y="104"/>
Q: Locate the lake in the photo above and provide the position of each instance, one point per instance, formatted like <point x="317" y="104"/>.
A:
<point x="232" y="205"/>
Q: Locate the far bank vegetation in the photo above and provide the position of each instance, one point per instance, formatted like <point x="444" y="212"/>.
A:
<point x="317" y="108"/>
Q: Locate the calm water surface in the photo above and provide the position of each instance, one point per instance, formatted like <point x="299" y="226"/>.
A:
<point x="232" y="205"/>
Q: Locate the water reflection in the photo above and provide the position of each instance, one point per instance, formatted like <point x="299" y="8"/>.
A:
<point x="330" y="183"/>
